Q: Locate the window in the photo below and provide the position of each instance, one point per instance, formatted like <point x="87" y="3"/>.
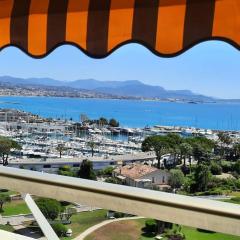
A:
<point x="76" y="165"/>
<point x="47" y="166"/>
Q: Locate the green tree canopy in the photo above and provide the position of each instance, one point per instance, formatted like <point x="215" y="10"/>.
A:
<point x="236" y="167"/>
<point x="202" y="177"/>
<point x="224" y="138"/>
<point x="50" y="208"/>
<point x="186" y="150"/>
<point x="6" y="144"/>
<point x="176" y="179"/>
<point x="215" y="168"/>
<point x="113" y="122"/>
<point x="103" y="121"/>
<point x="86" y="170"/>
<point x="3" y="199"/>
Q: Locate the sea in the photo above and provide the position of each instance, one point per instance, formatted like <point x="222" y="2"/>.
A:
<point x="132" y="113"/>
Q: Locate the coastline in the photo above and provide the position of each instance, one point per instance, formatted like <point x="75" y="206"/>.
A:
<point x="131" y="112"/>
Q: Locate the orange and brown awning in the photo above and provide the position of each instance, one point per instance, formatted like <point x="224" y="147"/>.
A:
<point x="167" y="27"/>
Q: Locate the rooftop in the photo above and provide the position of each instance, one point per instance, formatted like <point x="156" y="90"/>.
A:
<point x="135" y="171"/>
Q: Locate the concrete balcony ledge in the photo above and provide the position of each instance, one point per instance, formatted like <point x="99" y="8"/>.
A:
<point x="184" y="210"/>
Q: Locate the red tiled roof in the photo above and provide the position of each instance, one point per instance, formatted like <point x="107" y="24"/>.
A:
<point x="135" y="171"/>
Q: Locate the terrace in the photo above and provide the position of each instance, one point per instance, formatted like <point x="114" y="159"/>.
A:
<point x="184" y="210"/>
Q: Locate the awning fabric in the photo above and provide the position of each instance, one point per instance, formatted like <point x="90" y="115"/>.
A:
<point x="166" y="27"/>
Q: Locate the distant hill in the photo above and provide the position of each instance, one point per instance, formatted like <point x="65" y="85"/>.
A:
<point x="130" y="88"/>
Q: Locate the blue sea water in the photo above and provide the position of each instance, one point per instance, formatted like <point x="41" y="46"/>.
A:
<point x="131" y="113"/>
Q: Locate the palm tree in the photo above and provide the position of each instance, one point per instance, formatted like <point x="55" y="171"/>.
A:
<point x="60" y="148"/>
<point x="92" y="145"/>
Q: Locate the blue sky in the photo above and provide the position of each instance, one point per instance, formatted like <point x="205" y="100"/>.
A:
<point x="211" y="68"/>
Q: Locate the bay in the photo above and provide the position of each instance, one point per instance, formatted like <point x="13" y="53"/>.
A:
<point x="132" y="113"/>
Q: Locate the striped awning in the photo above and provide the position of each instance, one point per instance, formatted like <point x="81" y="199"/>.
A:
<point x="97" y="27"/>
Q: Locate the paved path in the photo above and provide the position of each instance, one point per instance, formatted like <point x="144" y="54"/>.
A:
<point x="16" y="220"/>
<point x="97" y="226"/>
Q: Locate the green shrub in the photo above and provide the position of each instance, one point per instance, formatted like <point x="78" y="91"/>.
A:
<point x="65" y="168"/>
<point x="3" y="190"/>
<point x="150" y="226"/>
<point x="236" y="199"/>
<point x="204" y="230"/>
<point x="118" y="215"/>
<point x="113" y="180"/>
<point x="59" y="229"/>
<point x="50" y="208"/>
<point x="226" y="166"/>
<point x="66" y="173"/>
<point x="108" y="171"/>
<point x="175" y="234"/>
<point x="215" y="168"/>
<point x="236" y="167"/>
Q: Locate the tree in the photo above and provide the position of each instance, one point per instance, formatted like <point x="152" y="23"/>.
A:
<point x="50" y="208"/>
<point x="201" y="148"/>
<point x="160" y="148"/>
<point x="6" y="145"/>
<point x="86" y="170"/>
<point x="236" y="149"/>
<point x="61" y="148"/>
<point x="103" y="121"/>
<point x="200" y="153"/>
<point x="67" y="214"/>
<point x="92" y="145"/>
<point x="215" y="168"/>
<point x="176" y="179"/>
<point x="224" y="138"/>
<point x="202" y="177"/>
<point x="59" y="229"/>
<point x="113" y="122"/>
<point x="236" y="167"/>
<point x="186" y="151"/>
<point x="225" y="141"/>
<point x="150" y="226"/>
<point x="3" y="199"/>
<point x="158" y="144"/>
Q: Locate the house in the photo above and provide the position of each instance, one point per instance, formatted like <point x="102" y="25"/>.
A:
<point x="142" y="176"/>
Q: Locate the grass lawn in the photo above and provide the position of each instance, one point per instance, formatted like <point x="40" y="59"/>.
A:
<point x="235" y="194"/>
<point x="15" y="207"/>
<point x="122" y="230"/>
<point x="84" y="220"/>
<point x="131" y="230"/>
<point x="9" y="192"/>
<point x="235" y="200"/>
<point x="193" y="234"/>
<point x="6" y="228"/>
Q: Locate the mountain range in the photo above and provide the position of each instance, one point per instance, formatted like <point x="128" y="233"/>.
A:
<point x="130" y="88"/>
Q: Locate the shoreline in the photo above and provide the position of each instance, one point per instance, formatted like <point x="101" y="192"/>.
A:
<point x="122" y="99"/>
<point x="131" y="113"/>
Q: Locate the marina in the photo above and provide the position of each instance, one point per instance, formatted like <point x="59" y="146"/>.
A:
<point x="54" y="142"/>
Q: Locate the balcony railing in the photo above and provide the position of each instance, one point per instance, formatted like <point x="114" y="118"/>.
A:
<point x="190" y="211"/>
